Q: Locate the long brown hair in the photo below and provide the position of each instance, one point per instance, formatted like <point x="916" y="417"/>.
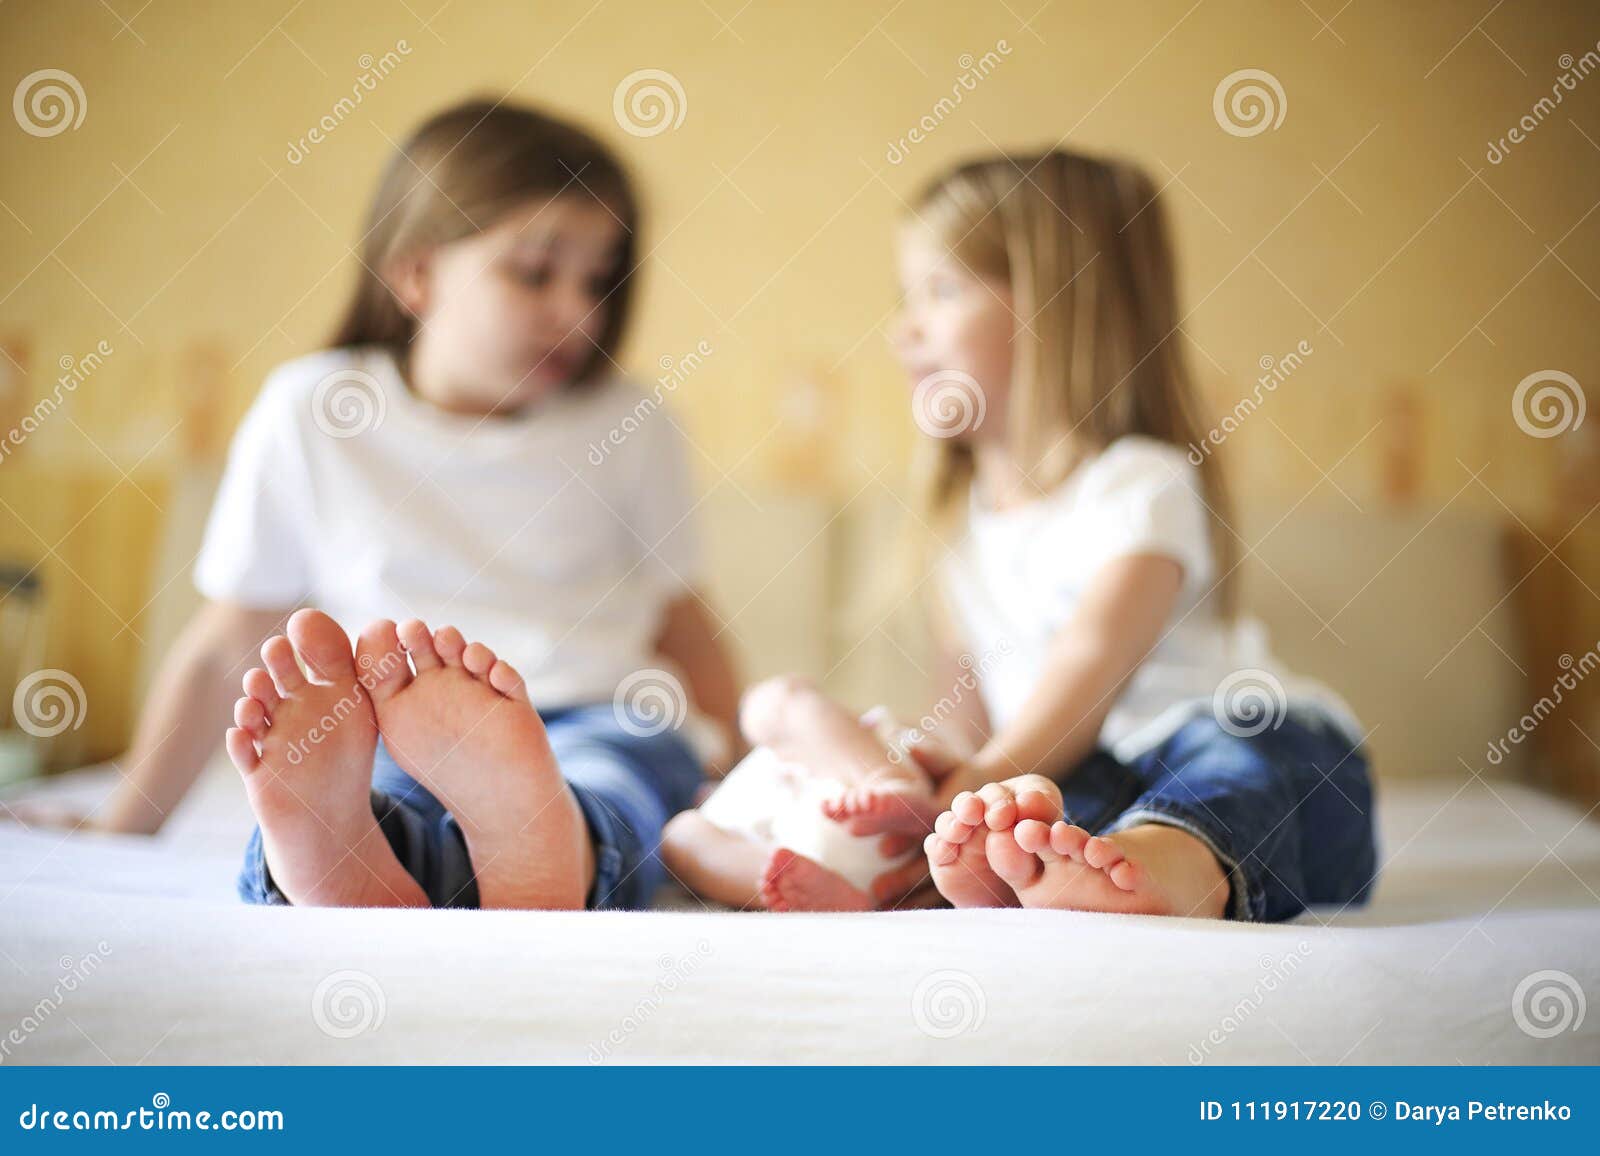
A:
<point x="460" y="172"/>
<point x="1084" y="245"/>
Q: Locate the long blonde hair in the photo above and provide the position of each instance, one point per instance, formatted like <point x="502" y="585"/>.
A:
<point x="1084" y="246"/>
<point x="460" y="172"/>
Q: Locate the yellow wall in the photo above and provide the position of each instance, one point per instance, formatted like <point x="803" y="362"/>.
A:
<point x="171" y="225"/>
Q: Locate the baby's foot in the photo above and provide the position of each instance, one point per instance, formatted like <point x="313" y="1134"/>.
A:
<point x="883" y="809"/>
<point x="958" y="848"/>
<point x="305" y="751"/>
<point x="462" y="726"/>
<point x="1150" y="869"/>
<point x="792" y="882"/>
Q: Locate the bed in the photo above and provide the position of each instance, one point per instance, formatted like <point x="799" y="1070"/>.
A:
<point x="1482" y="946"/>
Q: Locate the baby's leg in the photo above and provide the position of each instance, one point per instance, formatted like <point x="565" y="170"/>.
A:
<point x="722" y="866"/>
<point x="800" y="724"/>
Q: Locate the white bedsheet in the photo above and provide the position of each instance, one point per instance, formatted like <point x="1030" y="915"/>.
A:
<point x="1490" y="889"/>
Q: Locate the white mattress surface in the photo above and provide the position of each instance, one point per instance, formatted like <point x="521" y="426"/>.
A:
<point x="1482" y="946"/>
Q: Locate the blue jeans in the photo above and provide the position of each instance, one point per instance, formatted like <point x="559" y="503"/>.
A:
<point x="1288" y="812"/>
<point x="627" y="786"/>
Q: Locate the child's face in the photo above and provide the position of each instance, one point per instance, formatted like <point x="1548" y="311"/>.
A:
<point x="511" y="314"/>
<point x="952" y="319"/>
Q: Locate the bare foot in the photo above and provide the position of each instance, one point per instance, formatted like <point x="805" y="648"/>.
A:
<point x="791" y="882"/>
<point x="462" y="726"/>
<point x="1150" y="869"/>
<point x="958" y="848"/>
<point x="898" y="809"/>
<point x="305" y="751"/>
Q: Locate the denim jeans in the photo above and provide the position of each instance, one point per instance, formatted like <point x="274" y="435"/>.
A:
<point x="1288" y="812"/>
<point x="627" y="785"/>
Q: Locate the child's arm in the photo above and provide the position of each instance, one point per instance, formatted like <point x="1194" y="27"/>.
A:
<point x="1119" y="620"/>
<point x="688" y="639"/>
<point x="182" y="721"/>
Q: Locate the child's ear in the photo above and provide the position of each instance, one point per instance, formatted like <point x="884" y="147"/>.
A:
<point x="407" y="278"/>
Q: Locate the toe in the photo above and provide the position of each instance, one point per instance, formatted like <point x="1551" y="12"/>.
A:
<point x="1016" y="866"/>
<point x="451" y="646"/>
<point x="477" y="658"/>
<point x="1045" y="806"/>
<point x="1032" y="836"/>
<point x="322" y="645"/>
<point x="1101" y="853"/>
<point x="242" y="751"/>
<point x="968" y="808"/>
<point x="1000" y="806"/>
<point x="278" y="655"/>
<point x="504" y="678"/>
<point x="952" y="829"/>
<point x="258" y="685"/>
<point x="1127" y="875"/>
<point x="381" y="661"/>
<point x="417" y="640"/>
<point x="1067" y="841"/>
<point x="940" y="853"/>
<point x="249" y="717"/>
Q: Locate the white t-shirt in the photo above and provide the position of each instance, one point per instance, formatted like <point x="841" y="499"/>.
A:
<point x="555" y="536"/>
<point x="1016" y="578"/>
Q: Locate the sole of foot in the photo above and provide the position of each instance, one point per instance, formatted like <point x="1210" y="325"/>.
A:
<point x="458" y="720"/>
<point x="958" y="848"/>
<point x="1151" y="869"/>
<point x="791" y="882"/>
<point x="304" y="747"/>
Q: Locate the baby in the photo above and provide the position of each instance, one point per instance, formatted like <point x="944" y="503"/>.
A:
<point x="798" y="824"/>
